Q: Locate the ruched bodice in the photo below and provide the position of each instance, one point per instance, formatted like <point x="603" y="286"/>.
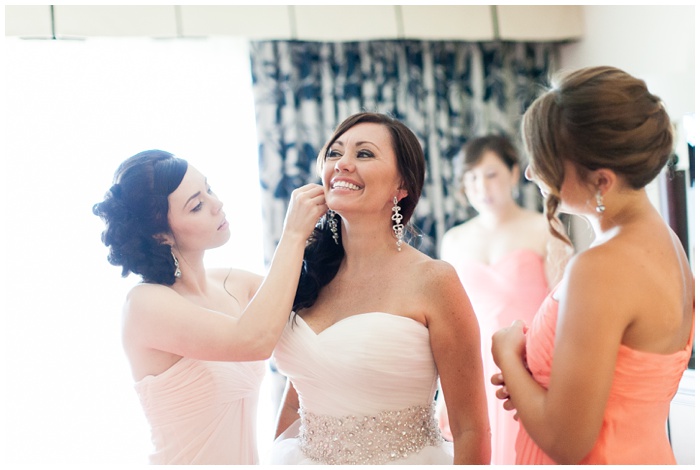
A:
<point x="634" y="422"/>
<point x="375" y="355"/>
<point x="203" y="412"/>
<point x="368" y="368"/>
<point x="512" y="288"/>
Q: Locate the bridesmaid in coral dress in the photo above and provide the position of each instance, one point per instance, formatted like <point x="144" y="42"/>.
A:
<point x="507" y="261"/>
<point x="592" y="378"/>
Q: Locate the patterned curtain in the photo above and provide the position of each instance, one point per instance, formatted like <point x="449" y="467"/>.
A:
<point x="446" y="92"/>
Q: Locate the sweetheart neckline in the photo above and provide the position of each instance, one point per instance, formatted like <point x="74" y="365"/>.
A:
<point x="359" y="315"/>
<point x="507" y="257"/>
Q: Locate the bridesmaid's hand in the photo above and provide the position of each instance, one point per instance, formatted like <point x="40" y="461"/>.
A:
<point x="509" y="341"/>
<point x="502" y="394"/>
<point x="306" y="205"/>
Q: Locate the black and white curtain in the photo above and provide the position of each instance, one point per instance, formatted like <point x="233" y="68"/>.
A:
<point x="445" y="91"/>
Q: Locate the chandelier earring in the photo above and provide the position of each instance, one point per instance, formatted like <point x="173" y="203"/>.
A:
<point x="177" y="273"/>
<point x="600" y="207"/>
<point x="398" y="226"/>
<point x="332" y="224"/>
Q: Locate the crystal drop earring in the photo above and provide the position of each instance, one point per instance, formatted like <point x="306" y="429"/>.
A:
<point x="398" y="226"/>
<point x="178" y="273"/>
<point x="600" y="207"/>
<point x="332" y="224"/>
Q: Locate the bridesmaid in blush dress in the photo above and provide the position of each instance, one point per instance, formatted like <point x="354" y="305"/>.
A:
<point x="592" y="377"/>
<point x="196" y="337"/>
<point x="507" y="261"/>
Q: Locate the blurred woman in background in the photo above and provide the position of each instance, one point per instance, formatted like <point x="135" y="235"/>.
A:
<point x="506" y="259"/>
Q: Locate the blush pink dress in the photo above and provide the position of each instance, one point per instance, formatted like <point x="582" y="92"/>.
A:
<point x="634" y="422"/>
<point x="511" y="289"/>
<point x="203" y="412"/>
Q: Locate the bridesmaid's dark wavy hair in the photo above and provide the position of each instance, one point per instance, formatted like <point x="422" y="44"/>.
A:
<point x="135" y="212"/>
<point x="322" y="256"/>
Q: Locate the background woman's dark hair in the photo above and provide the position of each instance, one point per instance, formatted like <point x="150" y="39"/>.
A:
<point x="135" y="211"/>
<point x="474" y="150"/>
<point x="322" y="256"/>
<point x="596" y="117"/>
<point x="500" y="145"/>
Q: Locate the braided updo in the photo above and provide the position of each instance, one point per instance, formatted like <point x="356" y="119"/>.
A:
<point x="596" y="117"/>
<point x="135" y="212"/>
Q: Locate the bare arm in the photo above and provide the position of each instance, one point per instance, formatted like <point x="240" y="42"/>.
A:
<point x="565" y="420"/>
<point x="455" y="342"/>
<point x="159" y="318"/>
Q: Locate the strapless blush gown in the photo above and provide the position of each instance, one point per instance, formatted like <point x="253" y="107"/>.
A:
<point x="511" y="289"/>
<point x="634" y="421"/>
<point x="366" y="390"/>
<point x="203" y="412"/>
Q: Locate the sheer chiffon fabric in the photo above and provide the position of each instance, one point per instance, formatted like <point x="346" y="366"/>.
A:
<point x="203" y="412"/>
<point x="634" y="422"/>
<point x="366" y="390"/>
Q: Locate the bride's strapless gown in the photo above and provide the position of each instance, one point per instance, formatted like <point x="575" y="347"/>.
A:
<point x="366" y="390"/>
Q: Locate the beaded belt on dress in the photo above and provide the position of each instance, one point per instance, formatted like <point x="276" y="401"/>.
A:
<point x="368" y="440"/>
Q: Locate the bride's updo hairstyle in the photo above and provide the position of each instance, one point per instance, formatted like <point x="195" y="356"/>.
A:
<point x="135" y="212"/>
<point x="322" y="256"/>
<point x="596" y="117"/>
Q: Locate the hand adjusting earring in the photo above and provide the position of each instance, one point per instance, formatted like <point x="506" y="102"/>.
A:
<point x="333" y="224"/>
<point x="178" y="273"/>
<point x="600" y="207"/>
<point x="398" y="226"/>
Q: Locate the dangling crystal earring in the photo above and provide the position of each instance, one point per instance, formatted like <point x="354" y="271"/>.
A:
<point x="178" y="273"/>
<point x="600" y="207"/>
<point x="398" y="226"/>
<point x="333" y="224"/>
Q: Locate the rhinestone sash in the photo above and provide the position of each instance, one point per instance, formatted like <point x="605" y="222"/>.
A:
<point x="368" y="440"/>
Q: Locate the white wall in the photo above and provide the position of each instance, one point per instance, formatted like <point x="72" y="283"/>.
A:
<point x="655" y="43"/>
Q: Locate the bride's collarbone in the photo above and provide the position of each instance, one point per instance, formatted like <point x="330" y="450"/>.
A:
<point x="334" y="307"/>
<point x="380" y="277"/>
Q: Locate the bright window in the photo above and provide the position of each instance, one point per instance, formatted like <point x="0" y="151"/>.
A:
<point x="73" y="111"/>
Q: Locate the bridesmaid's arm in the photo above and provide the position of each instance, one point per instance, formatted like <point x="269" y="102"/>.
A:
<point x="289" y="409"/>
<point x="158" y="317"/>
<point x="455" y="343"/>
<point x="565" y="419"/>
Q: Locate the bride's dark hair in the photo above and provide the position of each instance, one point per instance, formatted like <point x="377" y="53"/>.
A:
<point x="322" y="256"/>
<point x="135" y="211"/>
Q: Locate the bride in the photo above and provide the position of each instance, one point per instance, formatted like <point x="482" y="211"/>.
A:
<point x="376" y="322"/>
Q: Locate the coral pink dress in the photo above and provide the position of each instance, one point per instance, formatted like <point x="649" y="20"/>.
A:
<point x="634" y="422"/>
<point x="203" y="412"/>
<point x="511" y="289"/>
